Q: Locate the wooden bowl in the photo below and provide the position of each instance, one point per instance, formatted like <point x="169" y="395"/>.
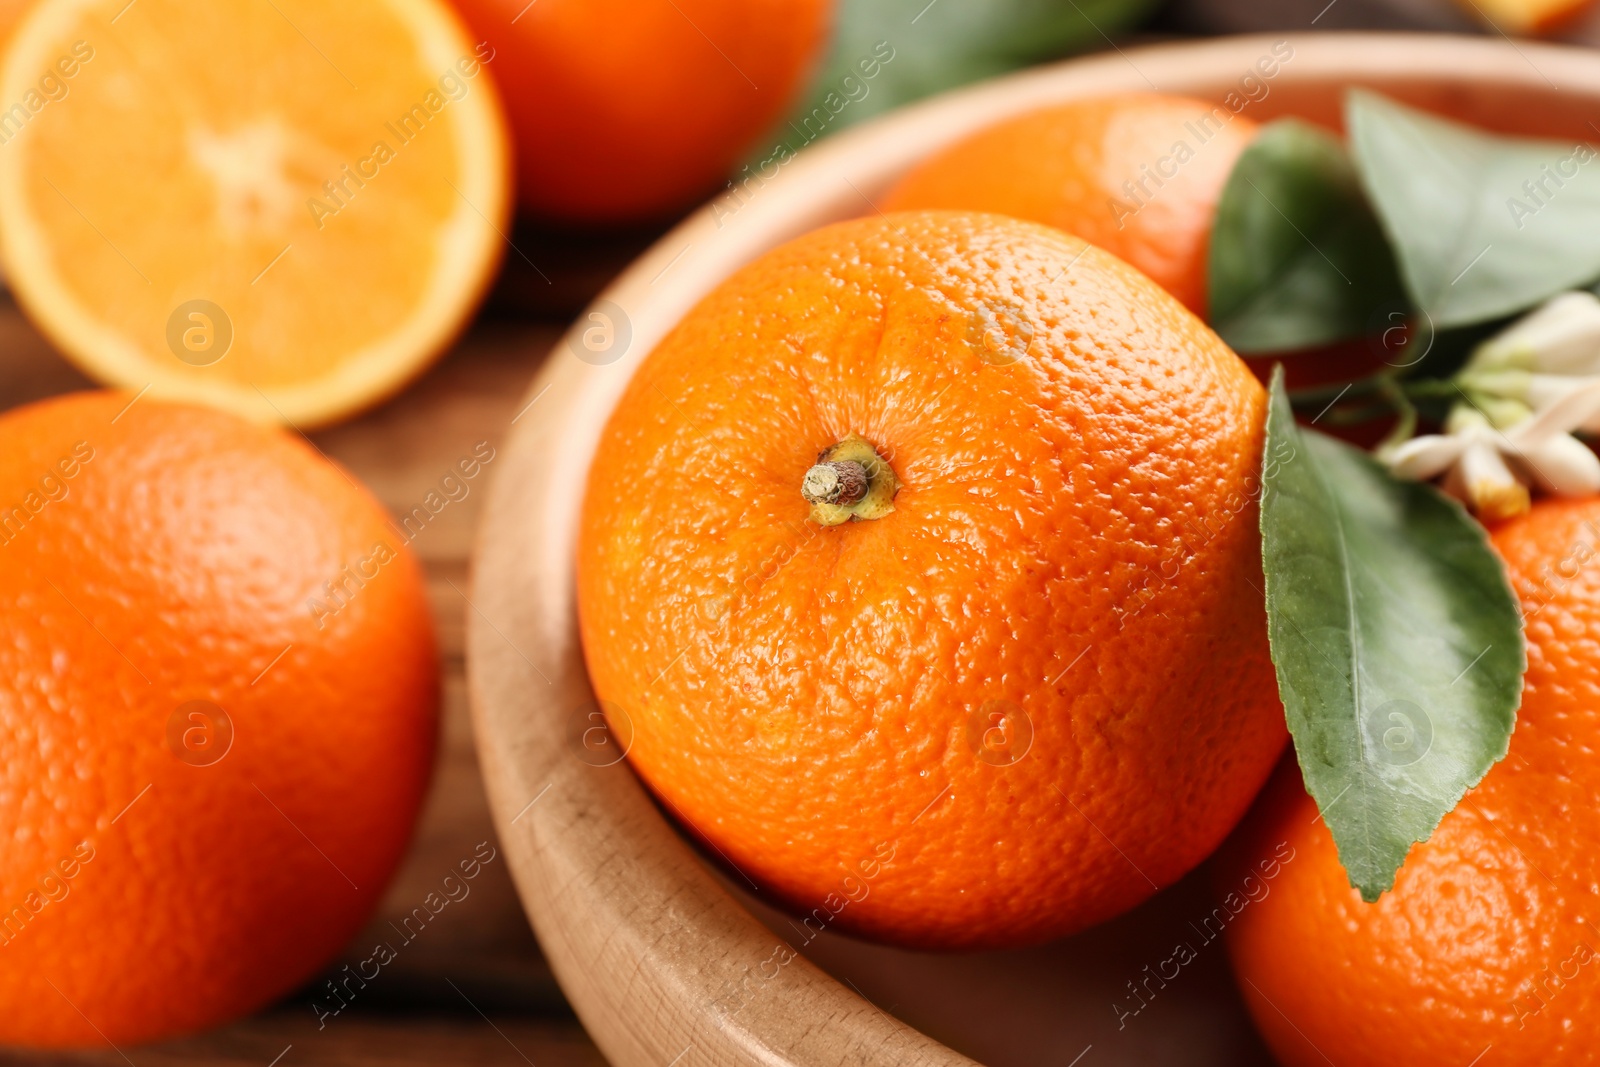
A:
<point x="664" y="959"/>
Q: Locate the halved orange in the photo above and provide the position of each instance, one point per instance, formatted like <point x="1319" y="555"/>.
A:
<point x="283" y="208"/>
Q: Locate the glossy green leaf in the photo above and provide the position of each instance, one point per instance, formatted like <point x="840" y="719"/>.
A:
<point x="1396" y="640"/>
<point x="1483" y="224"/>
<point x="1297" y="256"/>
<point x="890" y="52"/>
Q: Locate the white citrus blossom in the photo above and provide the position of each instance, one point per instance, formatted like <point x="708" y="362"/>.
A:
<point x="1546" y="355"/>
<point x="1530" y="386"/>
<point x="1490" y="466"/>
<point x="1561" y="336"/>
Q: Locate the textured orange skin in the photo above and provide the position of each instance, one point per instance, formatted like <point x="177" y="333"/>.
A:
<point x="628" y="109"/>
<point x="191" y="542"/>
<point x="802" y="696"/>
<point x="1452" y="959"/>
<point x="1065" y="166"/>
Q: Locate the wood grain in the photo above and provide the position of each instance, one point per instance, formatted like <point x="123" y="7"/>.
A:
<point x="638" y="930"/>
<point x="401" y="1041"/>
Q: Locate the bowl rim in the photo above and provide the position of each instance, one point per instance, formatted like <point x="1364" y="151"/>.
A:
<point x="657" y="958"/>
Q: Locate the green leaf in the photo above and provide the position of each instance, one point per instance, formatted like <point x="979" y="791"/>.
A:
<point x="1396" y="640"/>
<point x="1297" y="257"/>
<point x="936" y="46"/>
<point x="1483" y="224"/>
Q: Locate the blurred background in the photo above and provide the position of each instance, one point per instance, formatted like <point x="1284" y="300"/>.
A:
<point x="475" y="989"/>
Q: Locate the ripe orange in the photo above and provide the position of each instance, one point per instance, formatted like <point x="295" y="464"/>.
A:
<point x="628" y="109"/>
<point x="1489" y="940"/>
<point x="1528" y="16"/>
<point x="1035" y="686"/>
<point x="217" y="716"/>
<point x="11" y="12"/>
<point x="1138" y="174"/>
<point x="283" y="208"/>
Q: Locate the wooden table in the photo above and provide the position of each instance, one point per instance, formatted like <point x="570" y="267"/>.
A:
<point x="475" y="989"/>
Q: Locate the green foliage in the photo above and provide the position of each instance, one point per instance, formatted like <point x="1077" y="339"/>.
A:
<point x="1396" y="639"/>
<point x="1483" y="224"/>
<point x="1297" y="257"/>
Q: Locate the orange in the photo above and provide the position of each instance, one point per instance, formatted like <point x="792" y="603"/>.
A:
<point x="1528" y="16"/>
<point x="217" y="716"/>
<point x="1488" y="940"/>
<point x="11" y="12"/>
<point x="1030" y="690"/>
<point x="283" y="208"/>
<point x="1138" y="174"/>
<point x="625" y="110"/>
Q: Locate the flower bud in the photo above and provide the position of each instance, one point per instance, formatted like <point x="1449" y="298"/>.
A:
<point x="1465" y="420"/>
<point x="1423" y="458"/>
<point x="1511" y="383"/>
<point x="1562" y="336"/>
<point x="1565" y="466"/>
<point x="1503" y="412"/>
<point x="1484" y="481"/>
